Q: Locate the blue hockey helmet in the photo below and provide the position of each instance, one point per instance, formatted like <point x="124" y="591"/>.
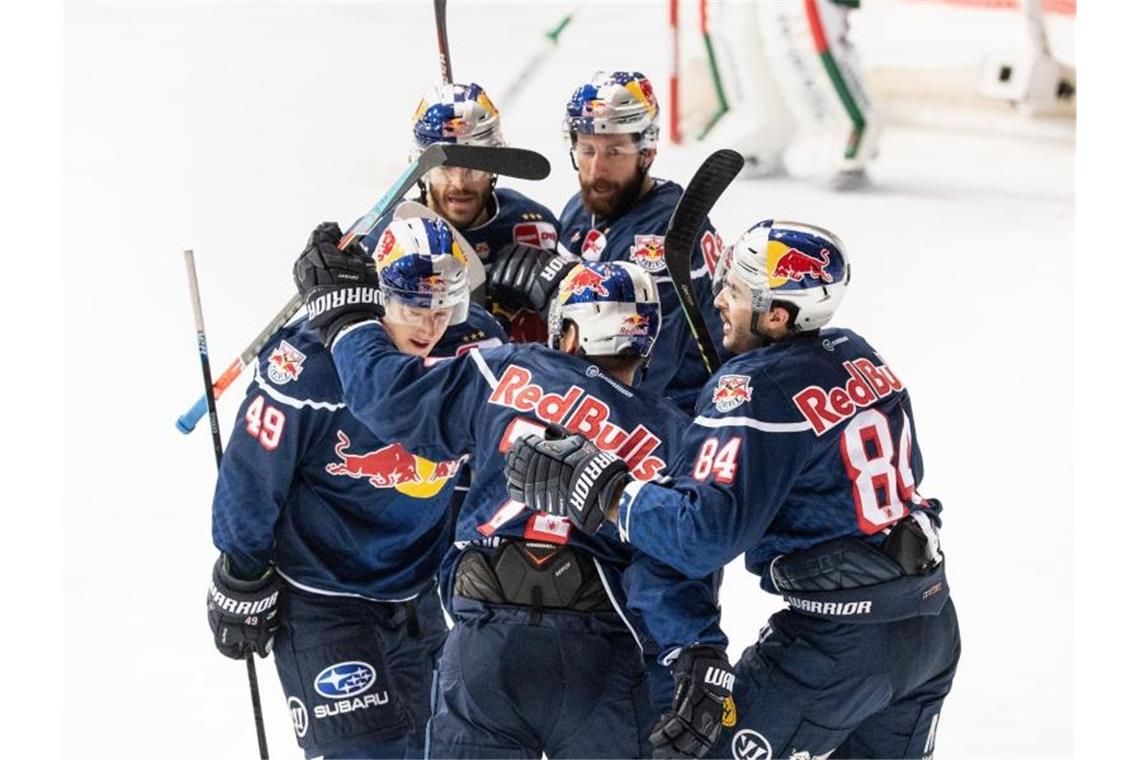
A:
<point x="457" y="113"/>
<point x="615" y="306"/>
<point x="422" y="266"/>
<point x="621" y="102"/>
<point x="792" y="263"/>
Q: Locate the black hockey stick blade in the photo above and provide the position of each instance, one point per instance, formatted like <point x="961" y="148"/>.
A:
<point x="509" y="162"/>
<point x="701" y="194"/>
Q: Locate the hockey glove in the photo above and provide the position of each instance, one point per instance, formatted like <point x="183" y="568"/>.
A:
<point x="704" y="680"/>
<point x="243" y="614"/>
<point x="570" y="477"/>
<point x="525" y="277"/>
<point x="339" y="287"/>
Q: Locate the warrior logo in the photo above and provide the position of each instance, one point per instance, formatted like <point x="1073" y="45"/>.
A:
<point x="284" y="364"/>
<point x="300" y="716"/>
<point x="750" y="745"/>
<point x="731" y="391"/>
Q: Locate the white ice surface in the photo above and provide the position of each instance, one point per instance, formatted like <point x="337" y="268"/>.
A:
<point x="234" y="128"/>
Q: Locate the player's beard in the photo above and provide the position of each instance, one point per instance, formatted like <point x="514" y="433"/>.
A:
<point x="616" y="203"/>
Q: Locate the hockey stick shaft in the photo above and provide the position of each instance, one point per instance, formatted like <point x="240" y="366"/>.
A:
<point x="215" y="431"/>
<point x="701" y="194"/>
<point x="510" y="162"/>
<point x="441" y="40"/>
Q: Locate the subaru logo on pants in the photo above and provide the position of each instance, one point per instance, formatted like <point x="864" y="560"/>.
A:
<point x="345" y="679"/>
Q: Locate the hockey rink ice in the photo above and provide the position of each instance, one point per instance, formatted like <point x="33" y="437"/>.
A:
<point x="233" y="129"/>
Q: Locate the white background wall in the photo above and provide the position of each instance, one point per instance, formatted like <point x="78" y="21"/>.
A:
<point x="234" y="128"/>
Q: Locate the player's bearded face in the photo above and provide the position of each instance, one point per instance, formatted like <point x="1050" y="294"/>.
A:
<point x="611" y="171"/>
<point x="459" y="195"/>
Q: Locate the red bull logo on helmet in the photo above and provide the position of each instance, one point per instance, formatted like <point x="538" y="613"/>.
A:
<point x="648" y="251"/>
<point x="731" y="391"/>
<point x="793" y="264"/>
<point x="635" y="324"/>
<point x="392" y="466"/>
<point x="582" y="279"/>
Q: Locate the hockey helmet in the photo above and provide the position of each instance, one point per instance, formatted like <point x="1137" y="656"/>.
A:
<point x="422" y="267"/>
<point x="789" y="263"/>
<point x="621" y="102"/>
<point x="615" y="306"/>
<point x="457" y="113"/>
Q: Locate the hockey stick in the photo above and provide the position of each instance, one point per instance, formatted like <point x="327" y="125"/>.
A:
<point x="701" y="194"/>
<point x="441" y="39"/>
<point x="509" y="162"/>
<point x="200" y="326"/>
<point x="526" y="73"/>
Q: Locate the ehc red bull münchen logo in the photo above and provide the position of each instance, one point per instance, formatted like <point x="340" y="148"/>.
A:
<point x="731" y="391"/>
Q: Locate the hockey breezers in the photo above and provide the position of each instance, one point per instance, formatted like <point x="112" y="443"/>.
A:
<point x="508" y="162"/>
<point x="701" y="194"/>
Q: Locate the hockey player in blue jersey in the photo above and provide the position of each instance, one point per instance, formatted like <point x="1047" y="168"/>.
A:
<point x="804" y="458"/>
<point x="620" y="214"/>
<point x="331" y="537"/>
<point x="494" y="220"/>
<point x="545" y="654"/>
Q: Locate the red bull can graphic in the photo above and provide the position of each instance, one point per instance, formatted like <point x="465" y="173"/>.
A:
<point x="731" y="391"/>
<point x="795" y="265"/>
<point x="583" y="279"/>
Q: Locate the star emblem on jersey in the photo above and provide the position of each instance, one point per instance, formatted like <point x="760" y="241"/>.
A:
<point x="750" y="745"/>
<point x="345" y="679"/>
<point x="285" y="363"/>
<point x="731" y="391"/>
<point x="648" y="252"/>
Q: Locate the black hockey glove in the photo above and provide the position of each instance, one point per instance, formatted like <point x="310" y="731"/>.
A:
<point x="339" y="287"/>
<point x="525" y="277"/>
<point x="570" y="477"/>
<point x="704" y="680"/>
<point x="243" y="614"/>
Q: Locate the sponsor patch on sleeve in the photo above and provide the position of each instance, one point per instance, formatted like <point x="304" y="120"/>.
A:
<point x="648" y="251"/>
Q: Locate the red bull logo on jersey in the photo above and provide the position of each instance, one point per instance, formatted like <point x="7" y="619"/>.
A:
<point x="393" y="466"/>
<point x="583" y="414"/>
<point x="593" y="245"/>
<point x="866" y="384"/>
<point x="793" y="264"/>
<point x="731" y="391"/>
<point x="536" y="235"/>
<point x="648" y="251"/>
<point x="581" y="280"/>
<point x="284" y="364"/>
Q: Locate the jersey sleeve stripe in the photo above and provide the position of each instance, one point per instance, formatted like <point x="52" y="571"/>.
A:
<point x="764" y="427"/>
<point x="296" y="403"/>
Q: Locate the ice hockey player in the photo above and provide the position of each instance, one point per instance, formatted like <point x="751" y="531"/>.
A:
<point x="544" y="657"/>
<point x="621" y="214"/>
<point x="790" y="72"/>
<point x="494" y="220"/>
<point x="331" y="537"/>
<point x="803" y="457"/>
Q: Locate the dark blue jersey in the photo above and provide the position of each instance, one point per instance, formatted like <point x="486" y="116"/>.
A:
<point x="809" y="439"/>
<point x="514" y="218"/>
<point x="307" y="487"/>
<point x="476" y="404"/>
<point x="675" y="366"/>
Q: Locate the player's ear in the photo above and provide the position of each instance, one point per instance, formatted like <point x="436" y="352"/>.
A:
<point x="647" y="156"/>
<point x="569" y="342"/>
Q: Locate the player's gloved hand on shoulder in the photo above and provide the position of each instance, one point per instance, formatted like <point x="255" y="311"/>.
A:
<point x="524" y="277"/>
<point x="243" y="614"/>
<point x="339" y="287"/>
<point x="704" y="679"/>
<point x="569" y="476"/>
